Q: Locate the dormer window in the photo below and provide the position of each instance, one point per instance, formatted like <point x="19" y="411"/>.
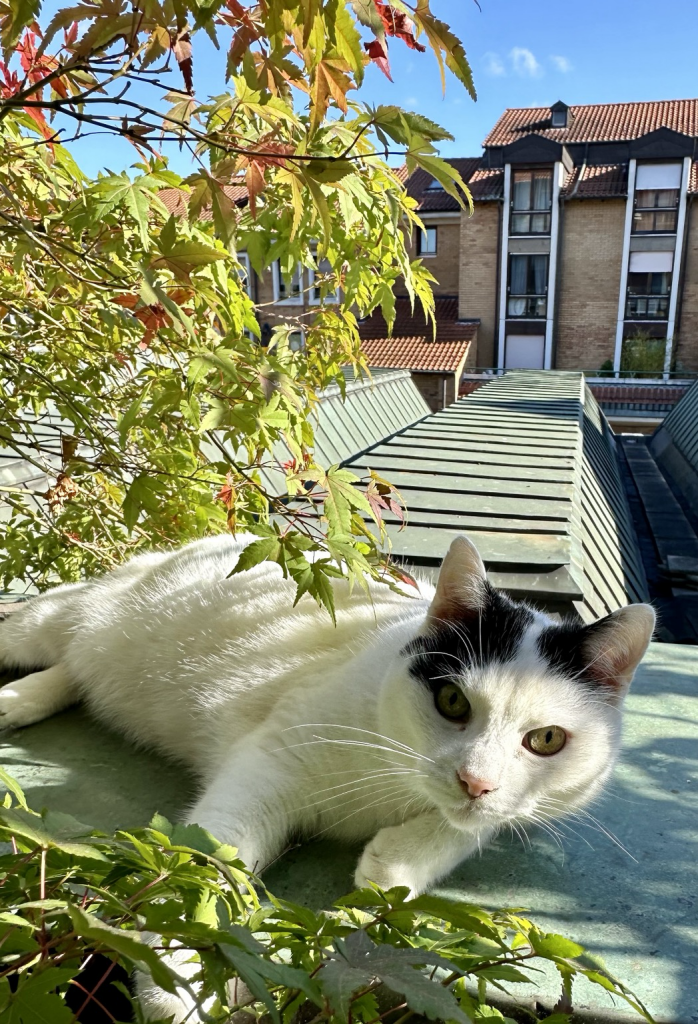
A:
<point x="434" y="186"/>
<point x="559" y="115"/>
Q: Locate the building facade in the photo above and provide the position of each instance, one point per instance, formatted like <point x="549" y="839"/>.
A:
<point x="582" y="249"/>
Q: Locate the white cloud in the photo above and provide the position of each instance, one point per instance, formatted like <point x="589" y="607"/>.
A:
<point x="494" y="65"/>
<point x="524" y="63"/>
<point x="562" y="64"/>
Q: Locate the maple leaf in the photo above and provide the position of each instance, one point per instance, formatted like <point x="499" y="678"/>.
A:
<point x="379" y="55"/>
<point x="227" y="491"/>
<point x="273" y="155"/>
<point x="396" y="23"/>
<point x="181" y="48"/>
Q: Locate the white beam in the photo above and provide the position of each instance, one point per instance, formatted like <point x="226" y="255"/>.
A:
<point x="625" y="259"/>
<point x="503" y="267"/>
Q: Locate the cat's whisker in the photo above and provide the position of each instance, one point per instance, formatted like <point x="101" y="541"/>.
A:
<point x="365" y="783"/>
<point x="364" y="807"/>
<point x="593" y="823"/>
<point x="354" y="728"/>
<point x="349" y="743"/>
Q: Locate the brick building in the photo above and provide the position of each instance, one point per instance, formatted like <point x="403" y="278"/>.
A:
<point x="582" y="251"/>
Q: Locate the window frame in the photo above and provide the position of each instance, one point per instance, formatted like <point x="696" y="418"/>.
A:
<point x="529" y="211"/>
<point x="277" y="278"/>
<point x="425" y="234"/>
<point x="647" y="297"/>
<point x="331" y="299"/>
<point x="527" y="296"/>
<point x="654" y="211"/>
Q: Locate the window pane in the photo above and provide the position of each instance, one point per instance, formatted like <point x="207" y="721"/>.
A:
<point x="540" y="223"/>
<point x="646" y="198"/>
<point x="667" y="197"/>
<point x="542" y="191"/>
<point x="516" y="307"/>
<point x="426" y="245"/>
<point x="665" y="220"/>
<point x="518" y="275"/>
<point x="643" y="221"/>
<point x="539" y="274"/>
<point x="659" y="284"/>
<point x="522" y="191"/>
<point x="520" y="224"/>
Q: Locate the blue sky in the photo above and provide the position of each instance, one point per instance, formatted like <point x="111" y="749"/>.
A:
<point x="523" y="53"/>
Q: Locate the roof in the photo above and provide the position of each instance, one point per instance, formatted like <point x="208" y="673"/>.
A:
<point x="603" y="181"/>
<point x="437" y="198"/>
<point x="175" y="199"/>
<point x="525" y="466"/>
<point x="412" y="345"/>
<point x="598" y="122"/>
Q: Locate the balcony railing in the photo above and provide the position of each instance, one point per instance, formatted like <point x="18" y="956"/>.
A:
<point x="527" y="306"/>
<point x="647" y="307"/>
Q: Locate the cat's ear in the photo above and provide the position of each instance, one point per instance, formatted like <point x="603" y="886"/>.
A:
<point x="613" y="647"/>
<point x="462" y="585"/>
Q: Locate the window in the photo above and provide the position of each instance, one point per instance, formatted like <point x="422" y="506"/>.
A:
<point x="434" y="186"/>
<point x="324" y="268"/>
<point x="559" y="118"/>
<point x="245" y="272"/>
<point x="290" y="292"/>
<point x="648" y="296"/>
<point x="656" y="211"/>
<point x="532" y="195"/>
<point x="528" y="286"/>
<point x="426" y="242"/>
<point x="296" y="341"/>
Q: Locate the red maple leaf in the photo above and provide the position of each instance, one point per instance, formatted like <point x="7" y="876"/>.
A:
<point x="227" y="491"/>
<point x="396" y="23"/>
<point x="379" y="55"/>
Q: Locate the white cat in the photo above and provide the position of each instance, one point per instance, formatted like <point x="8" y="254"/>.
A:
<point x="421" y="725"/>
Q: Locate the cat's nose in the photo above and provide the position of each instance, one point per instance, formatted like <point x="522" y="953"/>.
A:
<point x="474" y="786"/>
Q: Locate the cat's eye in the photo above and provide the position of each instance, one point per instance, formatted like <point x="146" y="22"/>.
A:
<point x="545" y="742"/>
<point x="452" y="703"/>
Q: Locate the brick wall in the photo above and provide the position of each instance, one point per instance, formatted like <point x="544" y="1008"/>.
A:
<point x="686" y="337"/>
<point x="431" y="385"/>
<point x="478" y="278"/>
<point x="444" y="265"/>
<point x="589" y="283"/>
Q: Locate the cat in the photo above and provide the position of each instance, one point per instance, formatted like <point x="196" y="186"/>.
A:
<point x="422" y="723"/>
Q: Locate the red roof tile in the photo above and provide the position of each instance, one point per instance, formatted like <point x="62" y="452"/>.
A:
<point x="437" y="199"/>
<point x="412" y="345"/>
<point x="598" y="122"/>
<point x="487" y="183"/>
<point x="603" y="181"/>
<point x="175" y="199"/>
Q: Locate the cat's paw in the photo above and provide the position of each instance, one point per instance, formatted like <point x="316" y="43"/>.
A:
<point x="378" y="864"/>
<point x="17" y="710"/>
<point x="24" y="702"/>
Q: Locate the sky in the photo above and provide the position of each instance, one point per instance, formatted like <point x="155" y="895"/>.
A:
<point x="523" y="53"/>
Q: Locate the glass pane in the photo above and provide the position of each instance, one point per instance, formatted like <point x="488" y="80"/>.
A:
<point x="540" y="306"/>
<point x="645" y="198"/>
<point x="518" y="274"/>
<point x="516" y="307"/>
<point x="643" y="221"/>
<point x="667" y="197"/>
<point x="539" y="275"/>
<point x="522" y="191"/>
<point x="520" y="224"/>
<point x="659" y="284"/>
<point x="637" y="284"/>
<point x="665" y="220"/>
<point x="540" y="223"/>
<point x="542" y="191"/>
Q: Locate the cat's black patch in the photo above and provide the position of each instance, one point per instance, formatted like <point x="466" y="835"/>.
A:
<point x="564" y="648"/>
<point x="494" y="633"/>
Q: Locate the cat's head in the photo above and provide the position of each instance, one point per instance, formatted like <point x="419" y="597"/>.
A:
<point x="513" y="715"/>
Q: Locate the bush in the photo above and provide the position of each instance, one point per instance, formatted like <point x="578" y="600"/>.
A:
<point x="71" y="894"/>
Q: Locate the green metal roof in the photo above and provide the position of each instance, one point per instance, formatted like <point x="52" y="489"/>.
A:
<point x="526" y="466"/>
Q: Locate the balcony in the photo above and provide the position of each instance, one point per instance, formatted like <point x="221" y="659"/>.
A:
<point x="647" y="307"/>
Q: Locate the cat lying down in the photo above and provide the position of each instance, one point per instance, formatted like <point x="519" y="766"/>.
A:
<point x="422" y="726"/>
